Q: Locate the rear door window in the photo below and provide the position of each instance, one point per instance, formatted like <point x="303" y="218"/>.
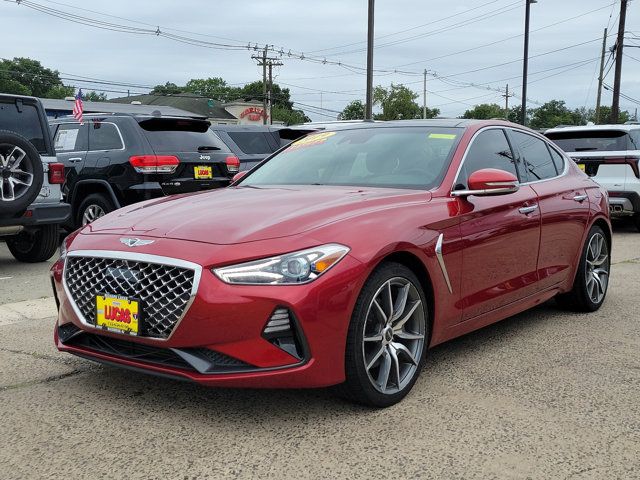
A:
<point x="70" y="137"/>
<point x="594" y="141"/>
<point x="104" y="136"/>
<point x="252" y="143"/>
<point x="25" y="121"/>
<point x="534" y="155"/>
<point x="171" y="135"/>
<point x="558" y="160"/>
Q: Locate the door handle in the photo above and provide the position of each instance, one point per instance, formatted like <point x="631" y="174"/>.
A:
<point x="528" y="210"/>
<point x="75" y="160"/>
<point x="580" y="198"/>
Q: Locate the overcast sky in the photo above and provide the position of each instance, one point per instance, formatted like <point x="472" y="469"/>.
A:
<point x="435" y="35"/>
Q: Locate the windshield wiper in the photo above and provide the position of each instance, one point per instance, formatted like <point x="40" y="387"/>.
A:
<point x="208" y="147"/>
<point x="585" y="149"/>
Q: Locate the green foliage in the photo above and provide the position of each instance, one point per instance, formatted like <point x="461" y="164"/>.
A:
<point x="399" y="102"/>
<point x="94" y="96"/>
<point x="353" y="111"/>
<point x="605" y="116"/>
<point x="253" y="91"/>
<point x="288" y="116"/>
<point x="167" y="89"/>
<point x="213" y="87"/>
<point x="23" y="76"/>
<point x="485" y="111"/>
<point x="552" y="114"/>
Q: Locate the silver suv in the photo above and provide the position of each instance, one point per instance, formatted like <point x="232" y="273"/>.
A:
<point x="611" y="155"/>
<point x="31" y="206"/>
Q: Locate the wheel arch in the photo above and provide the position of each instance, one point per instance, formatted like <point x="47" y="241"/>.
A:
<point x="420" y="270"/>
<point x="605" y="226"/>
<point x="86" y="187"/>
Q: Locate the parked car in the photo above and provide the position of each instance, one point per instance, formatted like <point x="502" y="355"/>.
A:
<point x="339" y="260"/>
<point x="250" y="143"/>
<point x="113" y="160"/>
<point x="31" y="206"/>
<point x="610" y="154"/>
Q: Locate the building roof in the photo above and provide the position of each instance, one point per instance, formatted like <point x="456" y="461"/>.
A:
<point x="197" y="104"/>
<point x="117" y="107"/>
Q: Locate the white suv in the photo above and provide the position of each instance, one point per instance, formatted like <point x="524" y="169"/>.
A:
<point x="611" y="155"/>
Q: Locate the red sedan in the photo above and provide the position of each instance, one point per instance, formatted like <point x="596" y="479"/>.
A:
<point x="339" y="260"/>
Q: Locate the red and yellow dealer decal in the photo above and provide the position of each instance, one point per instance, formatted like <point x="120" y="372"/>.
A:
<point x="311" y="140"/>
<point x="117" y="314"/>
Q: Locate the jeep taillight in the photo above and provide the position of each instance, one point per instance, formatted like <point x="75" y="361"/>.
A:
<point x="233" y="164"/>
<point x="154" y="163"/>
<point x="56" y="173"/>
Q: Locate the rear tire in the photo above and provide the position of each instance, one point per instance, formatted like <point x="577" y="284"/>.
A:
<point x="34" y="246"/>
<point x="386" y="343"/>
<point x="592" y="278"/>
<point x="93" y="207"/>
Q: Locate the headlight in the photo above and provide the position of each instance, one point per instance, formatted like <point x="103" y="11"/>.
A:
<point x="291" y="268"/>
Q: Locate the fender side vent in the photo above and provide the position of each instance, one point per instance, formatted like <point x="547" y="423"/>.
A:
<point x="283" y="331"/>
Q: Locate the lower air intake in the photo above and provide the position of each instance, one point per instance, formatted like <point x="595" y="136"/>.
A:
<point x="282" y="331"/>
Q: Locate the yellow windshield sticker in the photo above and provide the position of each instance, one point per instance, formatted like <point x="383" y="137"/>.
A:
<point x="313" y="139"/>
<point x="443" y="136"/>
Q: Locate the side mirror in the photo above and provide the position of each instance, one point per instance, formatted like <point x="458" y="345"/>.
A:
<point x="489" y="181"/>
<point x="238" y="176"/>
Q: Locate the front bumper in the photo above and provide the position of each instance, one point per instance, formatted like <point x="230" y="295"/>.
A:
<point x="226" y="323"/>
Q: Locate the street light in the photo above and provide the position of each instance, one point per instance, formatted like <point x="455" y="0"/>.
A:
<point x="525" y="67"/>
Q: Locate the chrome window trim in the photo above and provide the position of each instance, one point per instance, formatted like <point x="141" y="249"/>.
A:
<point x="139" y="257"/>
<point x="504" y="128"/>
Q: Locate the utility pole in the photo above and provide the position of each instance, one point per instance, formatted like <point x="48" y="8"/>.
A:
<point x="424" y="95"/>
<point x="507" y="96"/>
<point x="601" y="77"/>
<point x="525" y="66"/>
<point x="615" y="107"/>
<point x="267" y="64"/>
<point x="368" y="111"/>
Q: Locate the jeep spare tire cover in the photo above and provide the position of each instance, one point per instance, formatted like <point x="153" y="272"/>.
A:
<point x="20" y="173"/>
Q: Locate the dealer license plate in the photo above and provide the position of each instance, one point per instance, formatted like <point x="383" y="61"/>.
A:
<point x="202" y="172"/>
<point x="118" y="314"/>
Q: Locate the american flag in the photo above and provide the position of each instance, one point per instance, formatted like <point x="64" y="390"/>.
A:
<point x="78" y="107"/>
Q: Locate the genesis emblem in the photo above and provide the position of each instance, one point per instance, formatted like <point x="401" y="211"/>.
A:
<point x="135" y="242"/>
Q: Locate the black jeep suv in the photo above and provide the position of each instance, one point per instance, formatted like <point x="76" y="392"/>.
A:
<point x="113" y="160"/>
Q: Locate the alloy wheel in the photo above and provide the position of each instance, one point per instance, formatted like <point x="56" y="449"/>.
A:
<point x="597" y="271"/>
<point x="16" y="173"/>
<point x="91" y="213"/>
<point x="394" y="333"/>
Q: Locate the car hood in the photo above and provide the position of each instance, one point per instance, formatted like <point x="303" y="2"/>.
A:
<point x="245" y="214"/>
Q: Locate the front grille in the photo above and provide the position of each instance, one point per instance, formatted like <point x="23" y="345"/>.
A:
<point x="163" y="291"/>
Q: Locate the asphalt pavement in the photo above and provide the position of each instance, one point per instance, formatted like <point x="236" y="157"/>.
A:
<point x="544" y="394"/>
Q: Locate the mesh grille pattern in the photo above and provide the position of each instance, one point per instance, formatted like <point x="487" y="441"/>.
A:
<point x="163" y="290"/>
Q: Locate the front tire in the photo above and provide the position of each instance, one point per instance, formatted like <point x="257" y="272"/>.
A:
<point x="592" y="279"/>
<point x="386" y="341"/>
<point x="35" y="246"/>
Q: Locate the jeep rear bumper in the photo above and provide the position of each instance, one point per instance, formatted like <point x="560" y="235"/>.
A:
<point x="35" y="215"/>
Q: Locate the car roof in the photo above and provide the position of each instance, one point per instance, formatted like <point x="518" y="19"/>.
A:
<point x="434" y="122"/>
<point x="588" y="128"/>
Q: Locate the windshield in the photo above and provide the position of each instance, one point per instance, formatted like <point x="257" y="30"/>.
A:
<point x="405" y="157"/>
<point x="596" y="140"/>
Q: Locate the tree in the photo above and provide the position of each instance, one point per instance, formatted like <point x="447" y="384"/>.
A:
<point x="212" y="87"/>
<point x="398" y="102"/>
<point x="552" y="114"/>
<point x="485" y="111"/>
<point x="288" y="116"/>
<point x="605" y="116"/>
<point x="24" y="76"/>
<point x="61" y="91"/>
<point x="353" y="111"/>
<point x="94" y="96"/>
<point x="253" y="91"/>
<point x="168" y="88"/>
